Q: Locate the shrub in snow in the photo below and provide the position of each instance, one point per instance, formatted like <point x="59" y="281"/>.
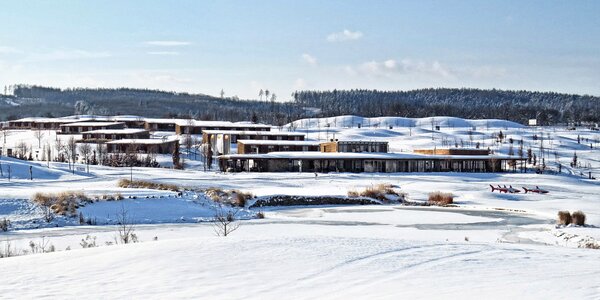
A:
<point x="578" y="218"/>
<point x="240" y="198"/>
<point x="564" y="218"/>
<point x="7" y="250"/>
<point x="231" y="197"/>
<point x="139" y="184"/>
<point x="42" y="246"/>
<point x="382" y="192"/>
<point x="440" y="198"/>
<point x="4" y="224"/>
<point x="63" y="203"/>
<point x="88" y="242"/>
<point x="260" y="215"/>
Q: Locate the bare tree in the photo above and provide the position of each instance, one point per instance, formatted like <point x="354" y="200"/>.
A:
<point x="71" y="148"/>
<point x="225" y="222"/>
<point x="196" y="145"/>
<point x="4" y="132"/>
<point x="85" y="149"/>
<point x="189" y="143"/>
<point x="59" y="147"/>
<point x="101" y="152"/>
<point x="39" y="135"/>
<point x="126" y="228"/>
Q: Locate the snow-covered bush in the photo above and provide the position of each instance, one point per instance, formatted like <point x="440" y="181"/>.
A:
<point x="440" y="198"/>
<point x="383" y="192"/>
<point x="63" y="203"/>
<point x="88" y="242"/>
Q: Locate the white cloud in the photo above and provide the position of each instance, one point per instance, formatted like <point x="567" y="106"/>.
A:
<point x="167" y="43"/>
<point x="345" y="35"/>
<point x="391" y="67"/>
<point x="309" y="59"/>
<point x="171" y="53"/>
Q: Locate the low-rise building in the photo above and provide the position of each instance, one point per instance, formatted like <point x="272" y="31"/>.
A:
<point x="79" y="127"/>
<point x="354" y="146"/>
<point x="105" y="135"/>
<point x="266" y="146"/>
<point x="220" y="140"/>
<point x="157" y="146"/>
<point x="362" y="162"/>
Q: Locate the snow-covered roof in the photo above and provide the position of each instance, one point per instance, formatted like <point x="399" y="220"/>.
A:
<point x="362" y="155"/>
<point x="245" y="132"/>
<point x="143" y="141"/>
<point x="126" y="118"/>
<point x="200" y="123"/>
<point x="117" y="131"/>
<point x="92" y="124"/>
<point x="283" y="143"/>
<point x="50" y="120"/>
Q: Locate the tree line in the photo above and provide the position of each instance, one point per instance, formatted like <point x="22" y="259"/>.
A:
<point x="519" y="106"/>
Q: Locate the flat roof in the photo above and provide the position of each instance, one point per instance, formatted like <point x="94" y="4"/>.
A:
<point x="356" y="142"/>
<point x="143" y="141"/>
<point x="284" y="143"/>
<point x="92" y="124"/>
<point x="199" y="123"/>
<point x="247" y="132"/>
<point x="116" y="131"/>
<point x="363" y="155"/>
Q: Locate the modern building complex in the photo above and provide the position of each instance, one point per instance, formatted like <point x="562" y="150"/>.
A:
<point x="371" y="158"/>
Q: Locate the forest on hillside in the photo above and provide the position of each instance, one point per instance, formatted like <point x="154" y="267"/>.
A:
<point x="518" y="106"/>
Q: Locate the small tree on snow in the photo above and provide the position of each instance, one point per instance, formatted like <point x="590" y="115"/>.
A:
<point x="126" y="229"/>
<point x="225" y="222"/>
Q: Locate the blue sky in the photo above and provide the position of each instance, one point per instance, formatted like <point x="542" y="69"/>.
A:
<point x="244" y="46"/>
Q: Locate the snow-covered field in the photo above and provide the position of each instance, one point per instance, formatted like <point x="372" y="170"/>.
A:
<point x="491" y="245"/>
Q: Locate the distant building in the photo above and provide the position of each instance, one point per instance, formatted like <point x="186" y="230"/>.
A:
<point x="157" y="146"/>
<point x="266" y="146"/>
<point x="453" y="151"/>
<point x="189" y="126"/>
<point x="80" y="127"/>
<point x="105" y="135"/>
<point x="354" y="146"/>
<point x="365" y="156"/>
<point x="198" y="127"/>
<point x="220" y="140"/>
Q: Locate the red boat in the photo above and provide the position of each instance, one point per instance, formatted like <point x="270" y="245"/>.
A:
<point x="508" y="190"/>
<point x="536" y="190"/>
